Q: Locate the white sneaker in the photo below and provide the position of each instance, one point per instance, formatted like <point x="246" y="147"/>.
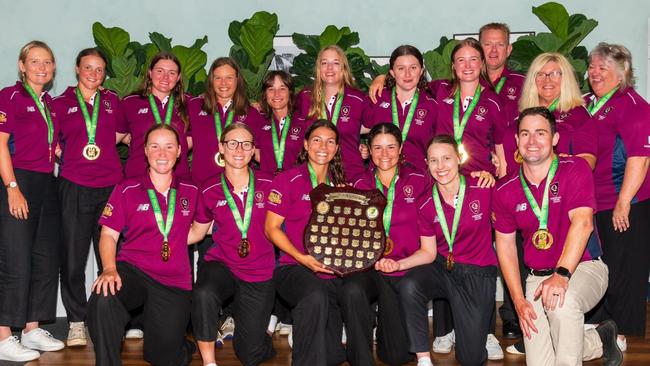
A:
<point x="445" y="343"/>
<point x="513" y="350"/>
<point x="344" y="337"/>
<point x="12" y="350"/>
<point x="273" y="324"/>
<point x="41" y="340"/>
<point x="284" y="329"/>
<point x="134" y="333"/>
<point x="493" y="348"/>
<point x="77" y="335"/>
<point x="219" y="342"/>
<point x="290" y="338"/>
<point x="425" y="361"/>
<point x="622" y="344"/>
<point x="228" y="328"/>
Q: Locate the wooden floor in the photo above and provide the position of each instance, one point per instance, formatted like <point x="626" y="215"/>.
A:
<point x="638" y="353"/>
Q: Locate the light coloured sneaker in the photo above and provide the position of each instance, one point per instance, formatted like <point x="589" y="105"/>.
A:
<point x="445" y="343"/>
<point x="344" y="337"/>
<point x="77" y="335"/>
<point x="425" y="361"/>
<point x="273" y="325"/>
<point x="493" y="348"/>
<point x="41" y="340"/>
<point x="622" y="344"/>
<point x="134" y="333"/>
<point x="516" y="349"/>
<point x="228" y="328"/>
<point x="284" y="329"/>
<point x="219" y="342"/>
<point x="290" y="338"/>
<point x="12" y="350"/>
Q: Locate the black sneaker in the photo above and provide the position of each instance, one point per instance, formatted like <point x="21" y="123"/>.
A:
<point x="608" y="331"/>
<point x="511" y="329"/>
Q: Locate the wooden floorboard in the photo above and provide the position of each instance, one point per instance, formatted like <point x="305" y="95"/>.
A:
<point x="638" y="354"/>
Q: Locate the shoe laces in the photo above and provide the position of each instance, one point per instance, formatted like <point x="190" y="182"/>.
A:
<point x="491" y="339"/>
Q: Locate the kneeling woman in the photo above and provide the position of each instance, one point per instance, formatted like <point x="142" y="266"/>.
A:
<point x="302" y="282"/>
<point x="153" y="213"/>
<point x="239" y="267"/>
<point x="454" y="221"/>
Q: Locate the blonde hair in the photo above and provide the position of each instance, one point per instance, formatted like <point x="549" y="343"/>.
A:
<point x="317" y="97"/>
<point x="570" y="95"/>
<point x="22" y="56"/>
<point x="620" y="57"/>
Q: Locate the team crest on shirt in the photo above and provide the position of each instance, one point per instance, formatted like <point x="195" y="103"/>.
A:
<point x="511" y="93"/>
<point x="107" y="107"/>
<point x="108" y="210"/>
<point x="475" y="208"/>
<point x="185" y="206"/>
<point x="408" y="193"/>
<point x="605" y="113"/>
<point x="295" y="133"/>
<point x="3" y="117"/>
<point x="345" y="114"/>
<point x="275" y="197"/>
<point x="419" y="116"/>
<point x="555" y="190"/>
<point x="480" y="113"/>
<point x="259" y="199"/>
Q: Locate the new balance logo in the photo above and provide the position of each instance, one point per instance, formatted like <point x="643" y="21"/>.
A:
<point x="31" y="109"/>
<point x="521" y="207"/>
<point x="143" y="111"/>
<point x="72" y="110"/>
<point x="143" y="207"/>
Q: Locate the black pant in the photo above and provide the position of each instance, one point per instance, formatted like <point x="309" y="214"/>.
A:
<point x="81" y="208"/>
<point x="251" y="301"/>
<point x="507" y="310"/>
<point x="29" y="251"/>
<point x="317" y="324"/>
<point x="166" y="313"/>
<point x="357" y="297"/>
<point x="470" y="291"/>
<point x="627" y="255"/>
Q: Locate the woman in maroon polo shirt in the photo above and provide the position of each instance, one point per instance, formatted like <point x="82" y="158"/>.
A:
<point x="29" y="210"/>
<point x="89" y="168"/>
<point x="151" y="269"/>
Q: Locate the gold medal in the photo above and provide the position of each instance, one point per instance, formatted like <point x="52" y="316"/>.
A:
<point x="244" y="248"/>
<point x="464" y="156"/>
<point x="91" y="152"/>
<point x="542" y="239"/>
<point x="518" y="158"/>
<point x="450" y="261"/>
<point x="218" y="158"/>
<point x="164" y="251"/>
<point x="389" y="246"/>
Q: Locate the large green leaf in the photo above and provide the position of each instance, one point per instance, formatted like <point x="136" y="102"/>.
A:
<point x="547" y="42"/>
<point x="238" y="54"/>
<point x="580" y="32"/>
<point x="124" y="66"/>
<point x="254" y="79"/>
<point x="200" y="42"/>
<point x="434" y="64"/>
<point x="150" y="51"/>
<point x="555" y="17"/>
<point x="113" y="41"/>
<point x="191" y="59"/>
<point x="163" y="43"/>
<point x="234" y="32"/>
<point x="309" y="44"/>
<point x="198" y="83"/>
<point x="348" y="40"/>
<point x="257" y="35"/>
<point x="332" y="35"/>
<point x="140" y="53"/>
<point x="524" y="51"/>
<point x="123" y="86"/>
<point x="446" y="51"/>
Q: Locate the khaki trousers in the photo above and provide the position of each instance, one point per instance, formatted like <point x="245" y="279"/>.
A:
<point x="561" y="337"/>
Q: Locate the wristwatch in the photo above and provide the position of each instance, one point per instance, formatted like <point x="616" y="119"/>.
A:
<point x="11" y="185"/>
<point x="563" y="272"/>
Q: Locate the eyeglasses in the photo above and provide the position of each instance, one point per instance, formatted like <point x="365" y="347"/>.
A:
<point x="553" y="75"/>
<point x="234" y="144"/>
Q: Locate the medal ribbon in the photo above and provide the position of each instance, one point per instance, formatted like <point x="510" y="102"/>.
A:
<point x="244" y="224"/>
<point x="217" y="122"/>
<point x="163" y="226"/>
<point x="280" y="146"/>
<point x="593" y="109"/>
<point x="390" y="198"/>
<point x="45" y="113"/>
<point x="553" y="105"/>
<point x="459" y="124"/>
<point x="312" y="177"/>
<point x="156" y="113"/>
<point x="91" y="124"/>
<point x="499" y="86"/>
<point x="541" y="214"/>
<point x="457" y="210"/>
<point x="409" y="116"/>
<point x="337" y="109"/>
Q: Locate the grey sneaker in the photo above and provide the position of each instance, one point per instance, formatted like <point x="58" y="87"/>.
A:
<point x="493" y="348"/>
<point x="444" y="343"/>
<point x="228" y="328"/>
<point x="77" y="335"/>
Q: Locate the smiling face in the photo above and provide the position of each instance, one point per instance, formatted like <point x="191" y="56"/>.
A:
<point x="549" y="82"/>
<point x="164" y="76"/>
<point x="443" y="162"/>
<point x="467" y="64"/>
<point x="535" y="140"/>
<point x="603" y="75"/>
<point x="91" y="72"/>
<point x="38" y="67"/>
<point x="277" y="95"/>
<point x="495" y="47"/>
<point x="407" y="72"/>
<point x="385" y="151"/>
<point x="224" y="82"/>
<point x="238" y="157"/>
<point x="331" y="68"/>
<point x="321" y="146"/>
<point x="162" y="150"/>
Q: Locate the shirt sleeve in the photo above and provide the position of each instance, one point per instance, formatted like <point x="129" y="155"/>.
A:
<point x="121" y="119"/>
<point x="585" y="138"/>
<point x="499" y="124"/>
<point x="502" y="218"/>
<point x="203" y="214"/>
<point x="580" y="186"/>
<point x="6" y="112"/>
<point x="279" y="200"/>
<point x="114" y="212"/>
<point x="634" y="128"/>
<point x="426" y="216"/>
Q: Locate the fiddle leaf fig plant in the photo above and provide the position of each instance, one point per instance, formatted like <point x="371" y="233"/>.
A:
<point x="438" y="61"/>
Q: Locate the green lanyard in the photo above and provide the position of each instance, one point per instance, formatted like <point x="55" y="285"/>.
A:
<point x="593" y="109"/>
<point x="280" y="146"/>
<point x="156" y="113"/>
<point x="245" y="223"/>
<point x="553" y="105"/>
<point x="499" y="86"/>
<point x="459" y="124"/>
<point x="541" y="214"/>
<point x="91" y="124"/>
<point x="457" y="210"/>
<point x="46" y="116"/>
<point x="217" y="122"/>
<point x="337" y="109"/>
<point x="312" y="176"/>
<point x="164" y="226"/>
<point x="390" y="198"/>
<point x="409" y="116"/>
